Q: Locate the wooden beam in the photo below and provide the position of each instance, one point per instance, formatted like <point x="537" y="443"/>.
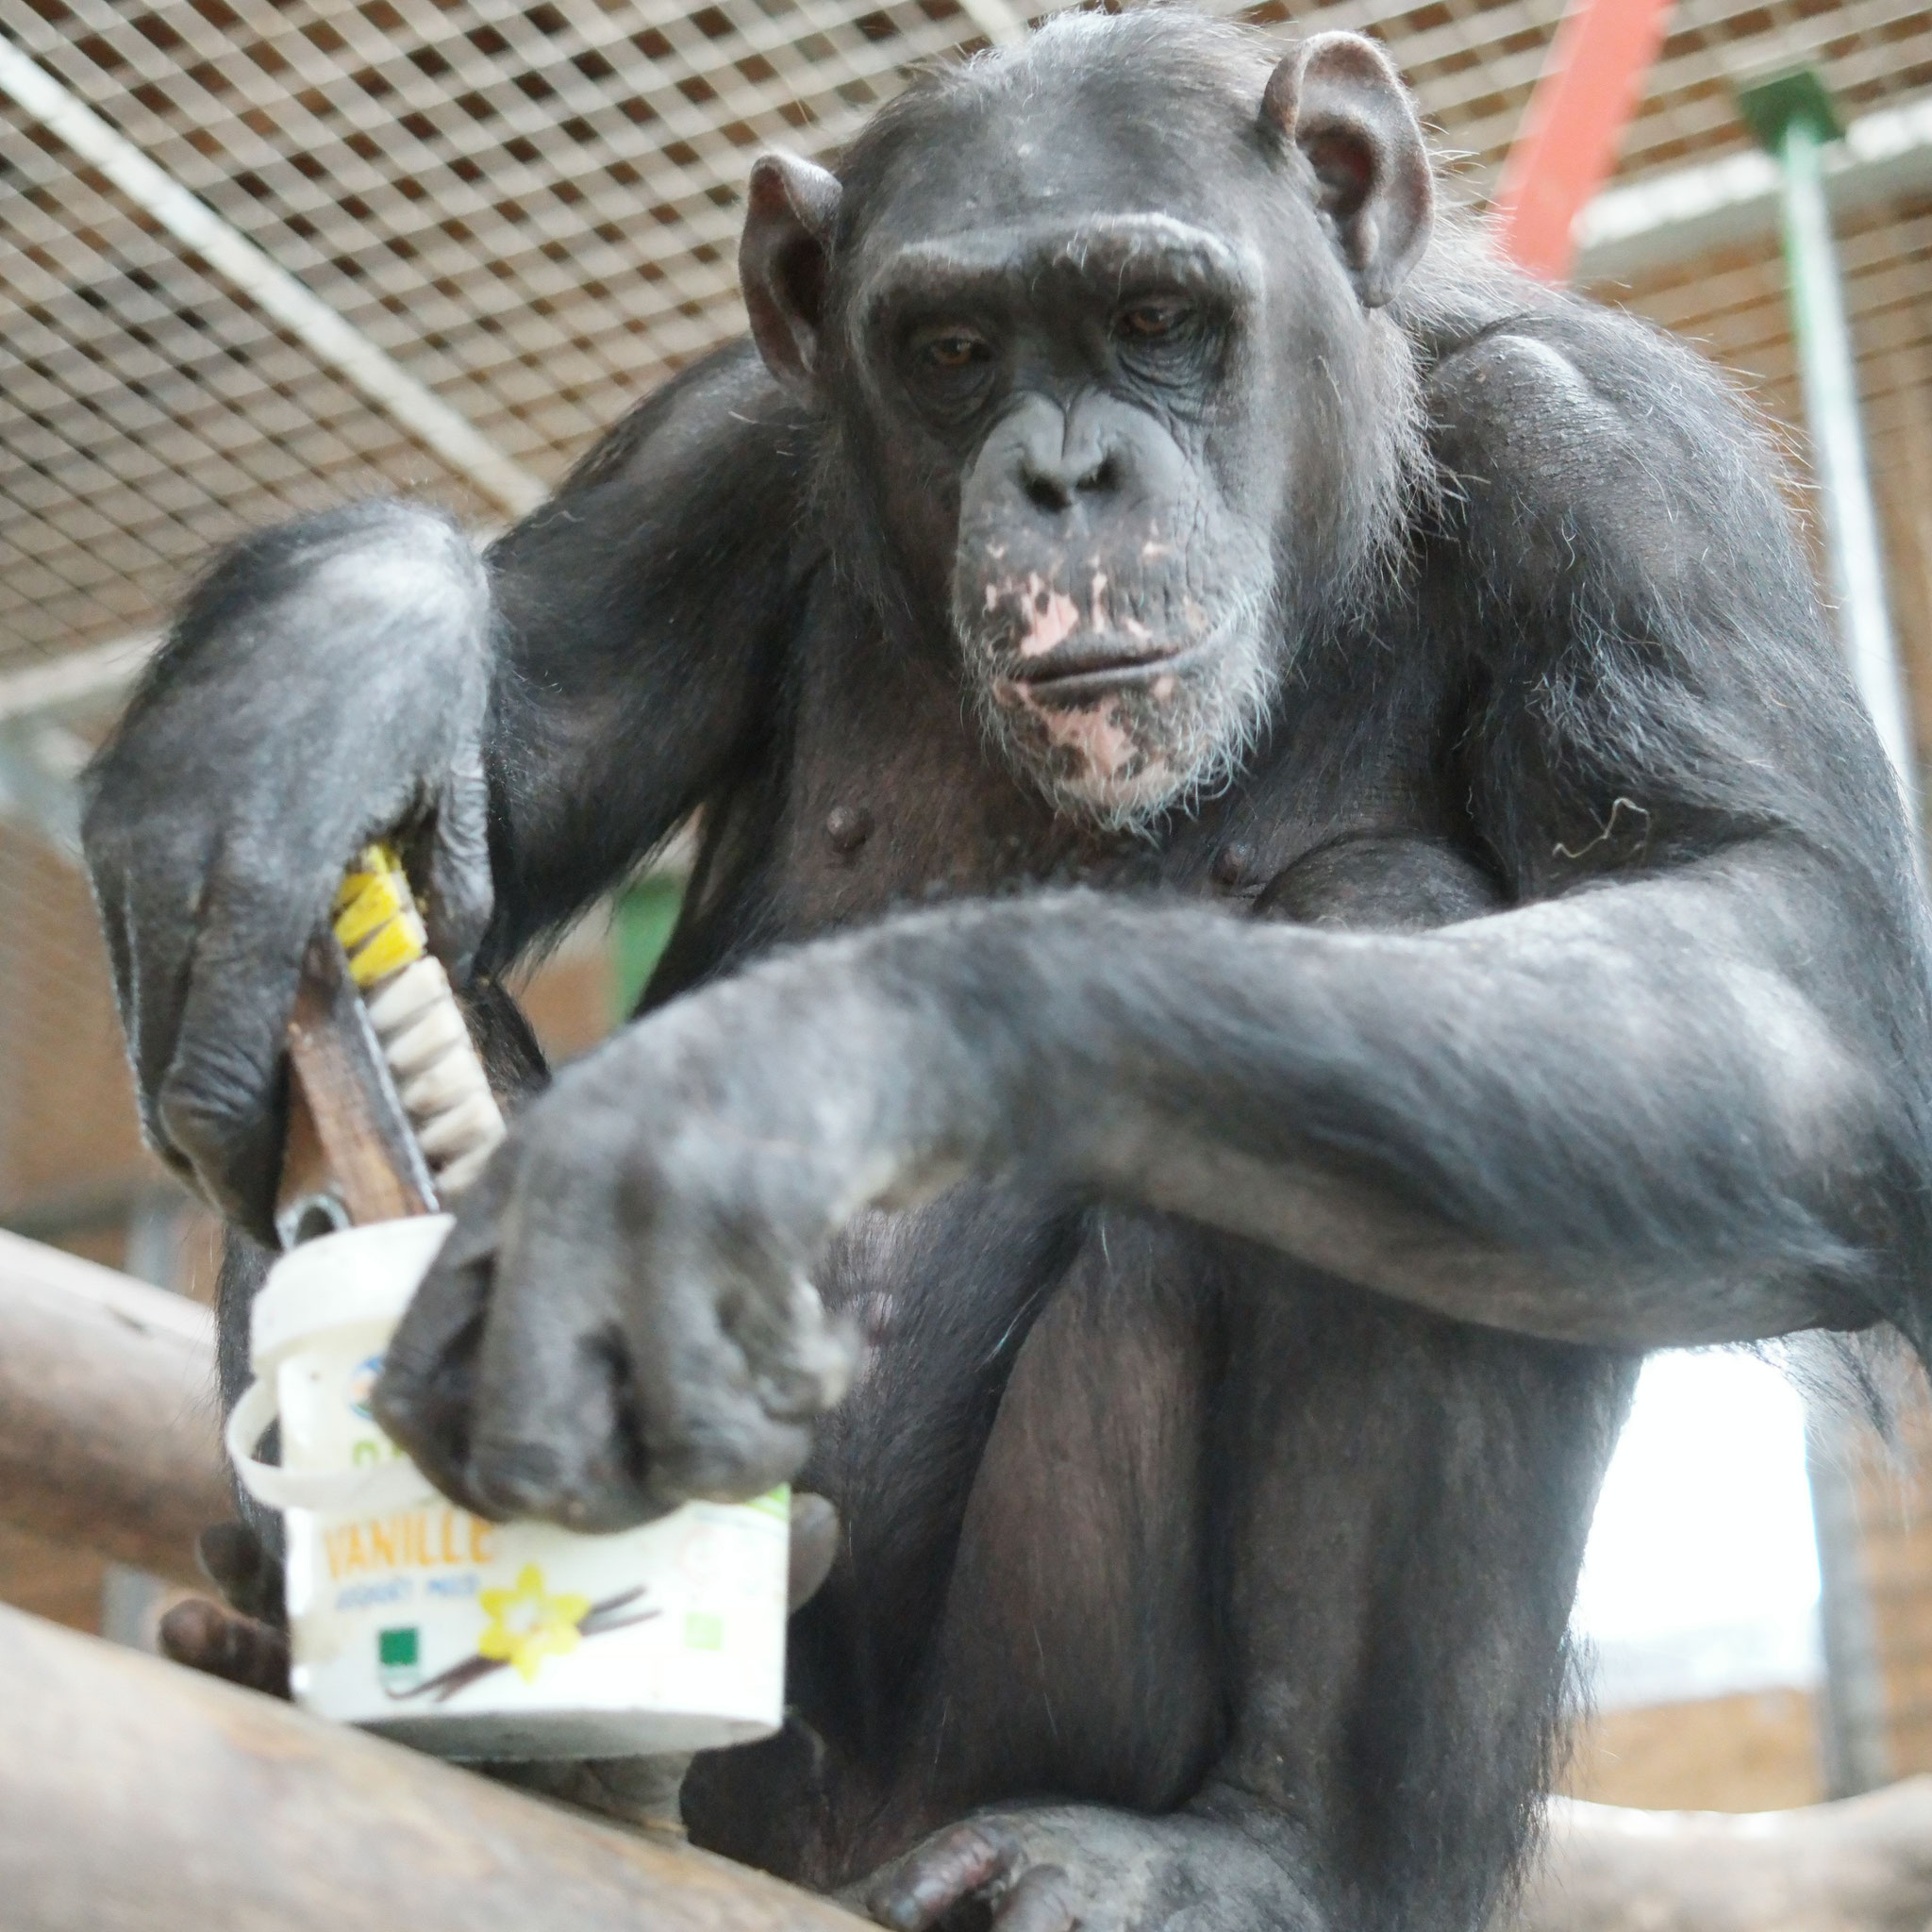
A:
<point x="1861" y="1865"/>
<point x="108" y="1431"/>
<point x="134" y="1795"/>
<point x="139" y="1797"/>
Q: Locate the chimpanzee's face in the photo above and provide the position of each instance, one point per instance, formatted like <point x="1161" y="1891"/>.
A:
<point x="1100" y="342"/>
<point x="1113" y="602"/>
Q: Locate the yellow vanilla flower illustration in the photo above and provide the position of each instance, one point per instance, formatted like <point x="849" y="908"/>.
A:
<point x="527" y="1624"/>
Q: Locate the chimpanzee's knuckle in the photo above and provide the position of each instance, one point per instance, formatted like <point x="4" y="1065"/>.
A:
<point x="519" y="1478"/>
<point x="209" y="1102"/>
<point x="725" y="1450"/>
<point x="965" y="1861"/>
<point x="811" y="1371"/>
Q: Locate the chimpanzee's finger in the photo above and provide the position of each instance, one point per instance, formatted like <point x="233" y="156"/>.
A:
<point x="222" y="1102"/>
<point x="814" y="1548"/>
<point x="800" y="1358"/>
<point x="944" y="1873"/>
<point x="1040" y="1902"/>
<point x="554" y="1432"/>
<point x="706" y="1415"/>
<point x="147" y="898"/>
<point x="205" y="1637"/>
<point x="460" y="891"/>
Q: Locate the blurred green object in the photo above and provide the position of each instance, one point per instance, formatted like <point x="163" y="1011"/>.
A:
<point x="1791" y="113"/>
<point x="640" y="930"/>
<point x="1770" y="105"/>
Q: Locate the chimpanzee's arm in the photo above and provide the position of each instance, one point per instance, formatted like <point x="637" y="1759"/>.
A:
<point x="533" y="726"/>
<point x="638" y="615"/>
<point x="1671" y="1111"/>
<point x="1679" y="1094"/>
<point x="1688" y="1109"/>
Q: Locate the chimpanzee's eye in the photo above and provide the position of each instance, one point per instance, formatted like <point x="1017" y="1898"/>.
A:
<point x="949" y="368"/>
<point x="1152" y="321"/>
<point x="1170" y="340"/>
<point x="953" y="350"/>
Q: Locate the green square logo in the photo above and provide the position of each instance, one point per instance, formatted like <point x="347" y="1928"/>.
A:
<point x="399" y="1660"/>
<point x="702" y="1630"/>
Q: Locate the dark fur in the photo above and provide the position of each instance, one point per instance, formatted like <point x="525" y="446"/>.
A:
<point x="1252" y="1250"/>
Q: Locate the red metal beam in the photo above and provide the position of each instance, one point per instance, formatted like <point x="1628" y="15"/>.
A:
<point x="1572" y="127"/>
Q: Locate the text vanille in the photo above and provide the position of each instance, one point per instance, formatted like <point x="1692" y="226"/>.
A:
<point x="410" y="1540"/>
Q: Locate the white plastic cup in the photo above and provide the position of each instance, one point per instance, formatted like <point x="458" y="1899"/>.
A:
<point x="471" y="1639"/>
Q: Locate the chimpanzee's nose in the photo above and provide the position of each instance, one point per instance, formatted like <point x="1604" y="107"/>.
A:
<point x="1059" y="460"/>
<point x="1055" y="483"/>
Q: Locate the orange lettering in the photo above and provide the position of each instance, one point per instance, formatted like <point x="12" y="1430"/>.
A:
<point x="482" y="1540"/>
<point x="383" y="1538"/>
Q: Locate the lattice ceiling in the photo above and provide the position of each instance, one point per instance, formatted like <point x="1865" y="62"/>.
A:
<point x="534" y="208"/>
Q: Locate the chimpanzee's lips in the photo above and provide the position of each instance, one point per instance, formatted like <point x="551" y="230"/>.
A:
<point x="1065" y="677"/>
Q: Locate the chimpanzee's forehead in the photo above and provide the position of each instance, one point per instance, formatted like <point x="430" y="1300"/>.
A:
<point x="1067" y="151"/>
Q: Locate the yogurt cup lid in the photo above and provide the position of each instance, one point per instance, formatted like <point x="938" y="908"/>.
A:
<point x="356" y="1275"/>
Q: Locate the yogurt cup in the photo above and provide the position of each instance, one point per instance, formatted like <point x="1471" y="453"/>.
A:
<point x="471" y="1639"/>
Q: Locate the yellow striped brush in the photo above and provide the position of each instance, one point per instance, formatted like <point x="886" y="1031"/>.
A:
<point x="391" y="1111"/>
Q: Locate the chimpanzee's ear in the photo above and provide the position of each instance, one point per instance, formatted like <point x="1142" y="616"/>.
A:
<point x="783" y="259"/>
<point x="1339" y="99"/>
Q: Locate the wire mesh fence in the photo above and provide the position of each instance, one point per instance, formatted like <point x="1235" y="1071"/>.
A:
<point x="533" y="209"/>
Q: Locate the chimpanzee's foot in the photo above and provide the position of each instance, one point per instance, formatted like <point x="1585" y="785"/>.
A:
<point x="242" y="1640"/>
<point x="1082" y="1868"/>
<point x="245" y="1569"/>
<point x="208" y="1637"/>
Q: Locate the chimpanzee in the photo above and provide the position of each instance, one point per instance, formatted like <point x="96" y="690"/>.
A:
<point x="1289" y="879"/>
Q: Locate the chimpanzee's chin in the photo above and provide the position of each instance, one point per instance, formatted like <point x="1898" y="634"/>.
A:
<point x="1123" y="759"/>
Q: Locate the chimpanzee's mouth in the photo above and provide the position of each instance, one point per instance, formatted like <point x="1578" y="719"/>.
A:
<point x="1069" y="677"/>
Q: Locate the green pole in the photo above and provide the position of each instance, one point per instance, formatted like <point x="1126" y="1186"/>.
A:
<point x="1792" y="116"/>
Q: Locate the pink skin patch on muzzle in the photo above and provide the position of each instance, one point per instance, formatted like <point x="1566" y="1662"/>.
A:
<point x="1049" y="616"/>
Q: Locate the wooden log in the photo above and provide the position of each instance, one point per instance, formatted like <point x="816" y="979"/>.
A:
<point x="1861" y="1865"/>
<point x="136" y="1796"/>
<point x="107" y="1416"/>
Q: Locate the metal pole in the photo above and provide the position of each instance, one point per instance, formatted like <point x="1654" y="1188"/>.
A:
<point x="1828" y="372"/>
<point x="1792" y="116"/>
<point x="1592" y="81"/>
<point x="1852" y="1732"/>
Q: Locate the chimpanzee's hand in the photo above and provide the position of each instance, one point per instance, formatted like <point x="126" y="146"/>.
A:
<point x="325" y="683"/>
<point x="622" y="1319"/>
<point x="1084" y="1868"/>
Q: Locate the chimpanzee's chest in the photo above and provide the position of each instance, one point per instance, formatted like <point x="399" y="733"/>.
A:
<point x="960" y="1473"/>
<point x="887" y="794"/>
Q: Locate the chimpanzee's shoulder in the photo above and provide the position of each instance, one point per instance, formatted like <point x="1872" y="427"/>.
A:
<point x="1579" y="445"/>
<point x="1554" y="379"/>
<point x="723" y="410"/>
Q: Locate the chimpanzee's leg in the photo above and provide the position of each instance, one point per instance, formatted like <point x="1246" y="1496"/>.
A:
<point x="1268" y="1580"/>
